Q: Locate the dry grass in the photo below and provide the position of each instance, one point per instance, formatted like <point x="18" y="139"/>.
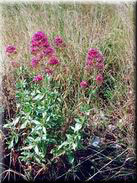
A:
<point x="107" y="27"/>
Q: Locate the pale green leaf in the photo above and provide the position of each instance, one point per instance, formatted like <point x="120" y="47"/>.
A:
<point x="24" y="125"/>
<point x="36" y="150"/>
<point x="71" y="158"/>
<point x="38" y="97"/>
<point x="16" y="120"/>
<point x="78" y="126"/>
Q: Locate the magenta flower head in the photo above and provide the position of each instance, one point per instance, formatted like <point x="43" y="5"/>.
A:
<point x="38" y="36"/>
<point x="48" y="51"/>
<point x="92" y="53"/>
<point x="84" y="84"/>
<point x="34" y="50"/>
<point x="53" y="61"/>
<point x="48" y="71"/>
<point x="58" y="41"/>
<point x="37" y="78"/>
<point x="89" y="62"/>
<point x="100" y="58"/>
<point x="99" y="79"/>
<point x="34" y="43"/>
<point x="10" y="49"/>
<point x="35" y="61"/>
<point x="100" y="66"/>
<point x="44" y="42"/>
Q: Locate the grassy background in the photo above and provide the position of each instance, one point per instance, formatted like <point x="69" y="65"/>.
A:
<point x="107" y="27"/>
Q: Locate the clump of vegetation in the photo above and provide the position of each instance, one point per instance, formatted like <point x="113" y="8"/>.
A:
<point x="37" y="131"/>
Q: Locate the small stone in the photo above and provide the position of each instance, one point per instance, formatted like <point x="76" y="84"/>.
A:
<point x="95" y="141"/>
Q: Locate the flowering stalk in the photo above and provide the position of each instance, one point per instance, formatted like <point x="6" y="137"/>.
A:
<point x="59" y="42"/>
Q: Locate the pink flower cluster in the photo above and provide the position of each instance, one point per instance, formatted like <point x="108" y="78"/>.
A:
<point x="48" y="71"/>
<point x="53" y="61"/>
<point x="37" y="78"/>
<point x="10" y="49"/>
<point x="94" y="59"/>
<point x="39" y="42"/>
<point x="99" y="79"/>
<point x="41" y="48"/>
<point x="49" y="51"/>
<point x="84" y="84"/>
<point x="35" y="61"/>
<point x="38" y="36"/>
<point x="58" y="41"/>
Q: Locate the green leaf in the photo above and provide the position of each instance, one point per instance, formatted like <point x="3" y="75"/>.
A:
<point x="24" y="125"/>
<point x="57" y="152"/>
<point x="38" y="97"/>
<point x="16" y="138"/>
<point x="27" y="148"/>
<point x="36" y="150"/>
<point x="7" y="125"/>
<point x="44" y="130"/>
<point x="38" y="139"/>
<point x="16" y="120"/>
<point x="77" y="120"/>
<point x="78" y="126"/>
<point x="71" y="158"/>
<point x="48" y="119"/>
<point x="74" y="146"/>
<point x="38" y="160"/>
<point x="44" y="114"/>
<point x="44" y="137"/>
<point x="38" y="128"/>
<point x="63" y="144"/>
<point x="33" y="93"/>
<point x="92" y="92"/>
<point x="72" y="128"/>
<point x="69" y="137"/>
<point x="11" y="144"/>
<point x="36" y="122"/>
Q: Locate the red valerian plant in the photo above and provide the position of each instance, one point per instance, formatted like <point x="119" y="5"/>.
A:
<point x="43" y="103"/>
